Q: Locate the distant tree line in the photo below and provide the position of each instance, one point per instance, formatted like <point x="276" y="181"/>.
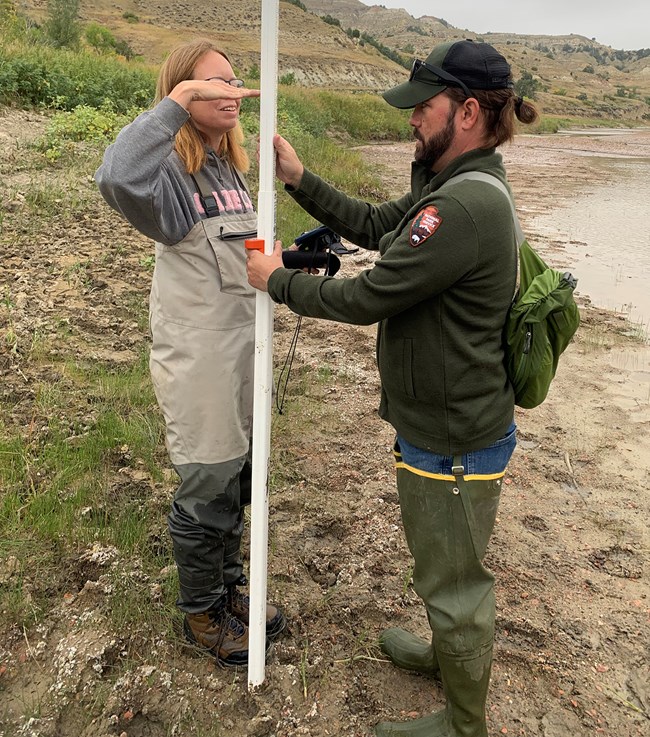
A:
<point x="365" y="38"/>
<point x="602" y="55"/>
<point x="298" y="4"/>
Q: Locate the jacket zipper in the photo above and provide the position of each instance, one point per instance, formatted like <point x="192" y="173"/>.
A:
<point x="522" y="369"/>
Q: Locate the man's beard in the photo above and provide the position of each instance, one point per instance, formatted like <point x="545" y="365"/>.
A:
<point x="428" y="152"/>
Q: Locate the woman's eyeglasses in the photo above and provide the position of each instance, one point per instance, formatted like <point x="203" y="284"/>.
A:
<point x="421" y="72"/>
<point x="231" y="82"/>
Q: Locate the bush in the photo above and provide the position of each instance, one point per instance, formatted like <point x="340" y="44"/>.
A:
<point x="99" y="38"/>
<point x="89" y="124"/>
<point x="527" y="85"/>
<point x="287" y="79"/>
<point x="102" y="40"/>
<point x="83" y="124"/>
<point x="416" y="29"/>
<point x="298" y="4"/>
<point x="42" y="77"/>
<point x="331" y="20"/>
<point x="123" y="49"/>
<point x="62" y="24"/>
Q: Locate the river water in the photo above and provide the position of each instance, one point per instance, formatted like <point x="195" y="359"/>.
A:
<point x="608" y="226"/>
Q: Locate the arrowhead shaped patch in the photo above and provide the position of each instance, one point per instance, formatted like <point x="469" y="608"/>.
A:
<point x="425" y="225"/>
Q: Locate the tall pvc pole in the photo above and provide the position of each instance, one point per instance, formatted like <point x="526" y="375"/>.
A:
<point x="263" y="350"/>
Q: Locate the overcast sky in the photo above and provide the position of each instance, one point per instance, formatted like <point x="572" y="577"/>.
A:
<point x="622" y="24"/>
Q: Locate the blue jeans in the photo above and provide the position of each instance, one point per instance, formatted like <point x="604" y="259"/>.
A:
<point x="486" y="463"/>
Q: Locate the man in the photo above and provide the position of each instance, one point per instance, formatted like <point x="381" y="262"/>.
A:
<point x="440" y="292"/>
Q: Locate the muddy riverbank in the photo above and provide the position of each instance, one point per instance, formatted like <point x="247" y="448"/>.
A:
<point x="570" y="549"/>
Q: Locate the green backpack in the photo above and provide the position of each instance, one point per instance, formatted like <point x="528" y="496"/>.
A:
<point x="542" y="319"/>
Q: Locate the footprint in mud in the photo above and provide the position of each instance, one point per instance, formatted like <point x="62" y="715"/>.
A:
<point x="534" y="523"/>
<point x="616" y="561"/>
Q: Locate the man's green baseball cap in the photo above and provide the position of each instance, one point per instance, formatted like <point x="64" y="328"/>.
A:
<point x="464" y="64"/>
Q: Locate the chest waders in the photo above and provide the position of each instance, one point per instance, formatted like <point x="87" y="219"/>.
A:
<point x="448" y="520"/>
<point x="202" y="317"/>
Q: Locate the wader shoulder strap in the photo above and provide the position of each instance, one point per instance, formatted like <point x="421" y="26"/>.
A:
<point x="241" y="179"/>
<point x="205" y="194"/>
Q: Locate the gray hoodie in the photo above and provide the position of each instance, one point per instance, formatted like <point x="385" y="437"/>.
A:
<point x="143" y="178"/>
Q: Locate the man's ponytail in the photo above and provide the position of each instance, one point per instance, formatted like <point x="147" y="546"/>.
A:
<point x="525" y="111"/>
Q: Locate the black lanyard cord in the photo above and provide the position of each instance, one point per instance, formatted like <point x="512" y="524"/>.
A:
<point x="285" y="372"/>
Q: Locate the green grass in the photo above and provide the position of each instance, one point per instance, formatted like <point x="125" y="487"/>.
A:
<point x="62" y="490"/>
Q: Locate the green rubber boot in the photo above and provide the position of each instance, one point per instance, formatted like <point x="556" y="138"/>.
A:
<point x="434" y="724"/>
<point x="409" y="651"/>
<point x="465" y="681"/>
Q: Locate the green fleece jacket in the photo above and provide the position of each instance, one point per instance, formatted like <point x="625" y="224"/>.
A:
<point x="440" y="291"/>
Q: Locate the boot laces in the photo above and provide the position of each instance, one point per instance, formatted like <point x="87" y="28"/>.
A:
<point x="226" y="623"/>
<point x="238" y="599"/>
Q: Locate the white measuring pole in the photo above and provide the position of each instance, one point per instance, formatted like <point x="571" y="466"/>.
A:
<point x="263" y="350"/>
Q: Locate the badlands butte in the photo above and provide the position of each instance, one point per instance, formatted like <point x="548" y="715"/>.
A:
<point x="574" y="75"/>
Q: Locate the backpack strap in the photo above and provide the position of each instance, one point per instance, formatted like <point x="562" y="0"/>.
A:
<point x="205" y="194"/>
<point x="482" y="176"/>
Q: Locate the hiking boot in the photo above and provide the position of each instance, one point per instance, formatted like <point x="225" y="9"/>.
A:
<point x="238" y="604"/>
<point x="224" y="636"/>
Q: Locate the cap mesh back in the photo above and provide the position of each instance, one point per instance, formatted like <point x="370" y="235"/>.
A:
<point x="479" y="65"/>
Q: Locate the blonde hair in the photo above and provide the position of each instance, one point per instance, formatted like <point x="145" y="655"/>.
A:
<point x="190" y="144"/>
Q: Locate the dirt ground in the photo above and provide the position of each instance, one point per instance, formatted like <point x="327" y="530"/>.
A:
<point x="569" y="552"/>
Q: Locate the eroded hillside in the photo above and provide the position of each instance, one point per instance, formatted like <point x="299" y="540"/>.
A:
<point x="573" y="74"/>
<point x="346" y="44"/>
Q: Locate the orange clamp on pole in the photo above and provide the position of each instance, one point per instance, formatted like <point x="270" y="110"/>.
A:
<point x="254" y="244"/>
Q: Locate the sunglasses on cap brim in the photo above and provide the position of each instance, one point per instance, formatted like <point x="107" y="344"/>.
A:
<point x="442" y="77"/>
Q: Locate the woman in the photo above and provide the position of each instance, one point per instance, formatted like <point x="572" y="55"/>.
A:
<point x="174" y="174"/>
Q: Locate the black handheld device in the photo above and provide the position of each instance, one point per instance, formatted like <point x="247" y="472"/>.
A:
<point x="310" y="260"/>
<point x="314" y="251"/>
<point x="318" y="239"/>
